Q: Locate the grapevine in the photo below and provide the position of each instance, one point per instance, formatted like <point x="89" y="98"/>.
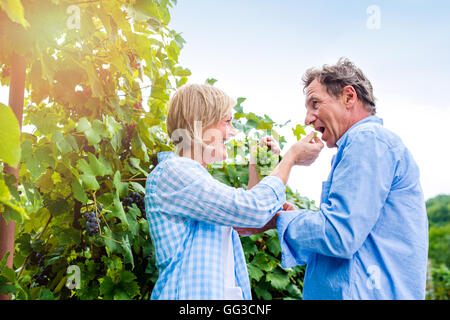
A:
<point x="92" y="143"/>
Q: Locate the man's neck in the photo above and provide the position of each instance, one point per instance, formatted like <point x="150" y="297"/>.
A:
<point x="358" y="114"/>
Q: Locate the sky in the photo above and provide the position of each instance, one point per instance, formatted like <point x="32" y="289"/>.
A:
<point x="259" y="49"/>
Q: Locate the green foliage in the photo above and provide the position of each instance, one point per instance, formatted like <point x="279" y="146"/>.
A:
<point x="298" y="131"/>
<point x="10" y="136"/>
<point x="14" y="10"/>
<point x="8" y="280"/>
<point x="439" y="244"/>
<point x="10" y="151"/>
<point x="94" y="142"/>
<point x="438" y="284"/>
<point x="438" y="209"/>
<point x="92" y="139"/>
<point x="211" y="81"/>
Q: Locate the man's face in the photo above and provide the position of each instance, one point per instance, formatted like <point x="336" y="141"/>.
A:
<point x="326" y="113"/>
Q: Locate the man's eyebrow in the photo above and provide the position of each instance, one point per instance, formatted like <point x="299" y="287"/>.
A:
<point x="311" y="97"/>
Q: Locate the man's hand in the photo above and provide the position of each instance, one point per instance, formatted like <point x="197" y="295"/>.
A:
<point x="272" y="224"/>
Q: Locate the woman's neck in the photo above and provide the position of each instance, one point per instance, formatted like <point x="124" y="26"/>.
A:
<point x="193" y="156"/>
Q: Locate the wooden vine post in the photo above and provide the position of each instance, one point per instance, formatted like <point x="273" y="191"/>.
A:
<point x="16" y="99"/>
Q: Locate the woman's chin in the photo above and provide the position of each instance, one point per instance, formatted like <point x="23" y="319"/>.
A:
<point x="224" y="153"/>
<point x="218" y="154"/>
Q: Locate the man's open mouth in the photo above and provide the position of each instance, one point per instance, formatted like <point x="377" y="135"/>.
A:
<point x="320" y="129"/>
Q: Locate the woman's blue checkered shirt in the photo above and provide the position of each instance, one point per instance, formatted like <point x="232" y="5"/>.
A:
<point x="186" y="210"/>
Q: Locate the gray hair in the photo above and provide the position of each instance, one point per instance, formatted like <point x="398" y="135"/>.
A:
<point x="336" y="77"/>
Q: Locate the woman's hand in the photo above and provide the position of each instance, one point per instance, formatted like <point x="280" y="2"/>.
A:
<point x="265" y="141"/>
<point x="271" y="144"/>
<point x="287" y="206"/>
<point x="272" y="224"/>
<point x="253" y="177"/>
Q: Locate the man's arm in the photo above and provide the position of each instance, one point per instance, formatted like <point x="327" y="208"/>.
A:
<point x="359" y="187"/>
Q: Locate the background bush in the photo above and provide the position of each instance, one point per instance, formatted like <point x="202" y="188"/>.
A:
<point x="438" y="285"/>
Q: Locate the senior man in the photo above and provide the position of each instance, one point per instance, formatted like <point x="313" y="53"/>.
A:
<point x="369" y="239"/>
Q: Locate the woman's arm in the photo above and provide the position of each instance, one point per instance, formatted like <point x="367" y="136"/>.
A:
<point x="304" y="152"/>
<point x="186" y="189"/>
<point x="253" y="178"/>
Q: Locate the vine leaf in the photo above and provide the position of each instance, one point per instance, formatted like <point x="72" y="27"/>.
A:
<point x="9" y="136"/>
<point x="78" y="191"/>
<point x="299" y="131"/>
<point x="278" y="279"/>
<point x="15" y="11"/>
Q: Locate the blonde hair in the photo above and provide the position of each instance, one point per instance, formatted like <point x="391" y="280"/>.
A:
<point x="193" y="104"/>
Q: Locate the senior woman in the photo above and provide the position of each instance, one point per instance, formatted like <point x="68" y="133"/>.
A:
<point x="191" y="215"/>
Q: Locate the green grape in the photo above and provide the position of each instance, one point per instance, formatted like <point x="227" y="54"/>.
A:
<point x="266" y="161"/>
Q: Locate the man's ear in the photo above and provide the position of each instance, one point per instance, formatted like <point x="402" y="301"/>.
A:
<point x="349" y="96"/>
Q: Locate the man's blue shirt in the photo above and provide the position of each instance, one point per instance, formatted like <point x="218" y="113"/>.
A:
<point x="369" y="239"/>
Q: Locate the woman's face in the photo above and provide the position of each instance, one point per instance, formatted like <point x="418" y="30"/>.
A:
<point x="215" y="137"/>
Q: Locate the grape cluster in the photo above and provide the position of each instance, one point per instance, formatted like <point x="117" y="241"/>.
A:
<point x="138" y="199"/>
<point x="37" y="258"/>
<point x="266" y="160"/>
<point x="126" y="140"/>
<point x="42" y="278"/>
<point x="91" y="222"/>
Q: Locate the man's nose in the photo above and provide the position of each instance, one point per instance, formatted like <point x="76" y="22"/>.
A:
<point x="309" y="119"/>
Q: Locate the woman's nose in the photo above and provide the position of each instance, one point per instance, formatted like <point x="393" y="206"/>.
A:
<point x="232" y="131"/>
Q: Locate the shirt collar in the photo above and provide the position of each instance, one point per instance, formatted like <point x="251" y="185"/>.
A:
<point x="374" y="119"/>
<point x="165" y="155"/>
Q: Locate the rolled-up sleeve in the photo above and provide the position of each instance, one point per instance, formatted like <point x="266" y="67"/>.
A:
<point x="358" y="188"/>
<point x="190" y="191"/>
